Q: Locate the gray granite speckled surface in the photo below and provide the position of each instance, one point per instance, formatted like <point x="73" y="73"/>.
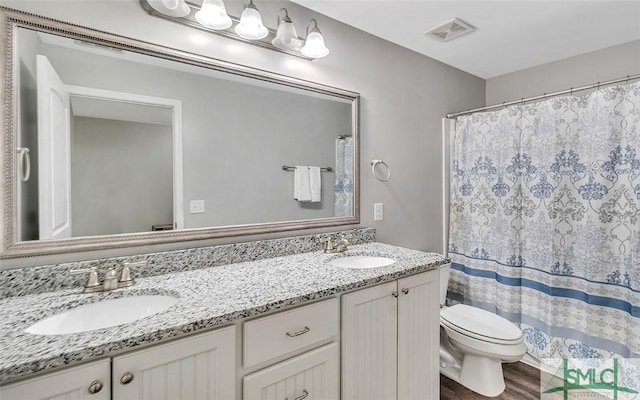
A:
<point x="208" y="298"/>
<point x="50" y="278"/>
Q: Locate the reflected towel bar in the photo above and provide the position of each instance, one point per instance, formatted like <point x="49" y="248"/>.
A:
<point x="288" y="168"/>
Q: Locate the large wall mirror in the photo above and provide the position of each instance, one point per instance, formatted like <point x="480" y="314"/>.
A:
<point x="110" y="142"/>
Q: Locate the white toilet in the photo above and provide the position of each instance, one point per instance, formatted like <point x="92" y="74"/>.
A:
<point x="474" y="343"/>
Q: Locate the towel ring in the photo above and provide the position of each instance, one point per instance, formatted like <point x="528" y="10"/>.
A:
<point x="24" y="163"/>
<point x="373" y="170"/>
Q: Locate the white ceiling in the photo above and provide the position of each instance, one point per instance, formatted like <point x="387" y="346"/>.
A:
<point x="510" y="34"/>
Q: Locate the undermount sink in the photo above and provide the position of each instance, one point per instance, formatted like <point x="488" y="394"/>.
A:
<point x="102" y="314"/>
<point x="360" y="262"/>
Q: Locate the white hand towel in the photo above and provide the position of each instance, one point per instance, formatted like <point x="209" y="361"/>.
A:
<point x="301" y="189"/>
<point x="315" y="184"/>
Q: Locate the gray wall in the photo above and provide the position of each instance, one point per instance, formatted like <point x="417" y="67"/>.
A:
<point x="121" y="176"/>
<point x="597" y="66"/>
<point x="404" y="97"/>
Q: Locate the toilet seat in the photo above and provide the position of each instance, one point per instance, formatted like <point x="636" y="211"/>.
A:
<point x="480" y="324"/>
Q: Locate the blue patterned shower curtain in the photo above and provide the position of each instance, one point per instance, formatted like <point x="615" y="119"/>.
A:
<point x="545" y="221"/>
<point x="344" y="177"/>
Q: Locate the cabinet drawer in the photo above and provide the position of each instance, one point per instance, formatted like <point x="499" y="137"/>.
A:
<point x="313" y="375"/>
<point x="269" y="337"/>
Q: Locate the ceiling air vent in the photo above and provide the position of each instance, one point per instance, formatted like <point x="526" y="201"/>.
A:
<point x="450" y="30"/>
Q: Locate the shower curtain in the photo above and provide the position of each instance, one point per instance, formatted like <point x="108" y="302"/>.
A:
<point x="545" y="221"/>
<point x="344" y="177"/>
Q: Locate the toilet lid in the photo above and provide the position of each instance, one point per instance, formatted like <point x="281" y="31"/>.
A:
<point x="479" y="323"/>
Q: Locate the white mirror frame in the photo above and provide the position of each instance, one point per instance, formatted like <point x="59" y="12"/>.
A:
<point x="11" y="20"/>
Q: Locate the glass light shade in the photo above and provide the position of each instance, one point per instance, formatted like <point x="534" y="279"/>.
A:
<point x="251" y="26"/>
<point x="213" y="14"/>
<point x="172" y="8"/>
<point x="171" y="4"/>
<point x="314" y="46"/>
<point x="286" y="37"/>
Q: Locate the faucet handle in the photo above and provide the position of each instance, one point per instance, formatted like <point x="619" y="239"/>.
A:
<point x="328" y="244"/>
<point x="125" y="274"/>
<point x="92" y="281"/>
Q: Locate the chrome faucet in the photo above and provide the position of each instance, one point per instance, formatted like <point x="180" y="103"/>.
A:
<point x="338" y="247"/>
<point x="111" y="280"/>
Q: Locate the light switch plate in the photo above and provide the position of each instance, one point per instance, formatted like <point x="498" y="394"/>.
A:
<point x="378" y="211"/>
<point x="196" y="206"/>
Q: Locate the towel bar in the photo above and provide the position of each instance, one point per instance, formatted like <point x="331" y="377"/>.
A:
<point x="289" y="168"/>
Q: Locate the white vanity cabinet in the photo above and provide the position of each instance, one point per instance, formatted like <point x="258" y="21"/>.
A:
<point x="380" y="342"/>
<point x="390" y="340"/>
<point x="199" y="367"/>
<point x="309" y="334"/>
<point x="91" y="381"/>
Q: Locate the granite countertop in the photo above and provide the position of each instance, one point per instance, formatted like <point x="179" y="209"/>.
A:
<point x="208" y="298"/>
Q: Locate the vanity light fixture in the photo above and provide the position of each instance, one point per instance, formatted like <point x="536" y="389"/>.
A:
<point x="212" y="16"/>
<point x="251" y="26"/>
<point x="286" y="36"/>
<point x="314" y="46"/>
<point x="172" y="8"/>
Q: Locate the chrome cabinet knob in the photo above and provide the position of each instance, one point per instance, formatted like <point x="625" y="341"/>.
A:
<point x="394" y="293"/>
<point x="126" y="378"/>
<point x="95" y="387"/>
<point x="405" y="291"/>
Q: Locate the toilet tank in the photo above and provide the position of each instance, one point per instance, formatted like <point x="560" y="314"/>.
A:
<point x="445" y="270"/>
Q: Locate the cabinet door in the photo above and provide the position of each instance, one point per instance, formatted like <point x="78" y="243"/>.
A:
<point x="369" y="343"/>
<point x="419" y="337"/>
<point x="310" y="376"/>
<point x="201" y="367"/>
<point x="75" y="383"/>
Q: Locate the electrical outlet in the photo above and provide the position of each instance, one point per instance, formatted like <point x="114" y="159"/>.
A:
<point x="378" y="211"/>
<point x="196" y="206"/>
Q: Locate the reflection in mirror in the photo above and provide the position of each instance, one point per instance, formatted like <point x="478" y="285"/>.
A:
<point x="103" y="155"/>
<point x="122" y="142"/>
<point x="120" y="162"/>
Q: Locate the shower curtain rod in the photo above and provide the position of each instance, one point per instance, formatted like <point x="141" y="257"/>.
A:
<point x="544" y="96"/>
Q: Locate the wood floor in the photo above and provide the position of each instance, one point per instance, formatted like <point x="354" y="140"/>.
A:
<point x="522" y="380"/>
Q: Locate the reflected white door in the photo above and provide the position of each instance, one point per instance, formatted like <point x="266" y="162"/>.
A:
<point x="54" y="133"/>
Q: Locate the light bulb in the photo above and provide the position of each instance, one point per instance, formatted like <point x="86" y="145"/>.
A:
<point x="251" y="26"/>
<point x="286" y="36"/>
<point x="314" y="46"/>
<point x="213" y="14"/>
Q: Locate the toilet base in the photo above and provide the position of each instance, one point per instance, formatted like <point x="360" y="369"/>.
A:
<point x="480" y="374"/>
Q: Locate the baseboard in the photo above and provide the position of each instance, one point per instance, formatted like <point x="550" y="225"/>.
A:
<point x="530" y="360"/>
